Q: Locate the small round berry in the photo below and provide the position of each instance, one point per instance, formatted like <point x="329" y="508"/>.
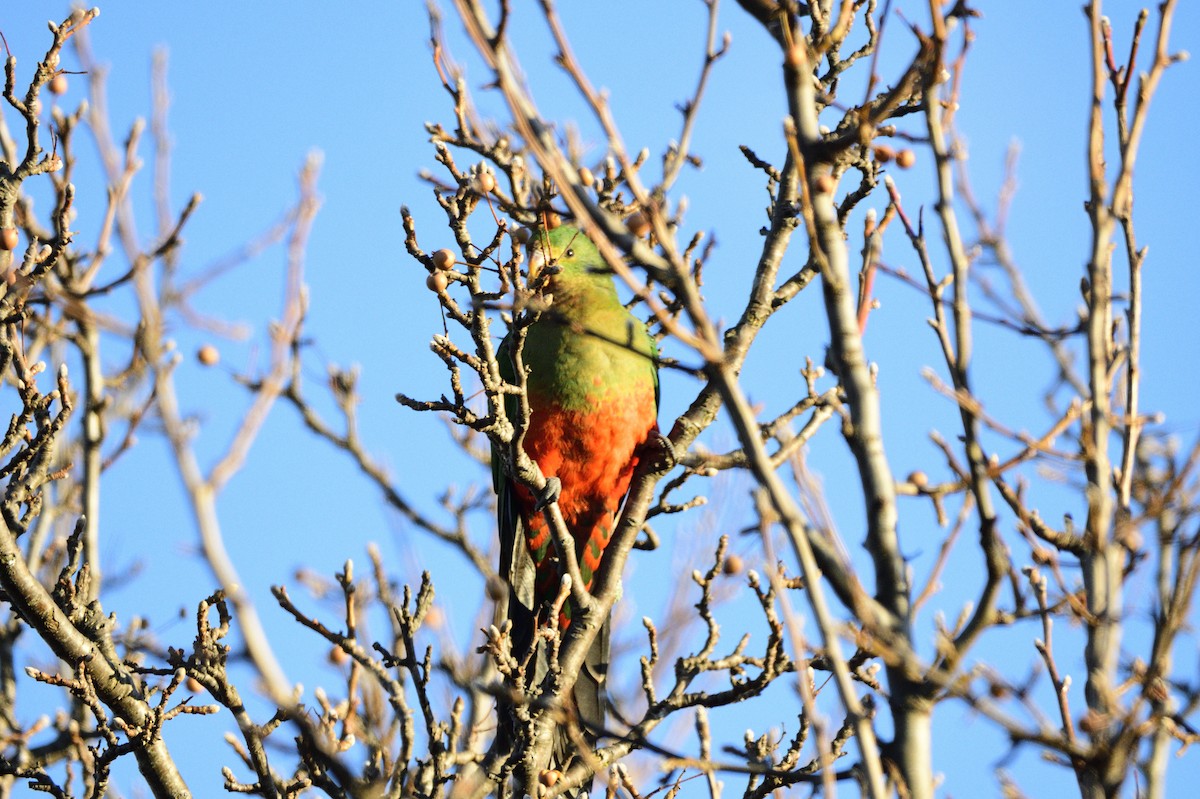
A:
<point x="437" y="282"/>
<point x="8" y="238"/>
<point x="883" y="153"/>
<point x="638" y="224"/>
<point x="58" y="84"/>
<point x="586" y="177"/>
<point x="338" y="656"/>
<point x="905" y="159"/>
<point x="443" y="259"/>
<point x="208" y="355"/>
<point x="484" y="182"/>
<point x="733" y="565"/>
<point x="918" y="479"/>
<point x="552" y="220"/>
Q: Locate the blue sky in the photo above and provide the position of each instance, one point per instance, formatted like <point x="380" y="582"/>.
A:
<point x="256" y="86"/>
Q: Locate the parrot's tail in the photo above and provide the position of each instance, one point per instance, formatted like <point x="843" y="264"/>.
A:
<point x="590" y="697"/>
<point x="586" y="710"/>
<point x="588" y="701"/>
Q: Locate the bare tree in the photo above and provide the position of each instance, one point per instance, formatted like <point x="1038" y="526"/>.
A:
<point x="853" y="645"/>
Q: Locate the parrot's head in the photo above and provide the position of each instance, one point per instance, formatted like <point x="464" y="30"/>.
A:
<point x="566" y="255"/>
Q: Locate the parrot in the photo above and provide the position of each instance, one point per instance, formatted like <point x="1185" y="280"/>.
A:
<point x="592" y="388"/>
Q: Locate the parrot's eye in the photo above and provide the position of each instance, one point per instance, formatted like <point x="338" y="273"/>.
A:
<point x="569" y="254"/>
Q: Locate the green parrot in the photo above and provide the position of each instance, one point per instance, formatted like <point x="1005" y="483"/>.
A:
<point x="592" y="386"/>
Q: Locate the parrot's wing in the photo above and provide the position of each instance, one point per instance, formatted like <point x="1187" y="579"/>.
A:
<point x="516" y="564"/>
<point x="517" y="570"/>
<point x="654" y="371"/>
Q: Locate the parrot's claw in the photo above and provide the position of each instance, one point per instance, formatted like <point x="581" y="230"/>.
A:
<point x="660" y="453"/>
<point x="550" y="493"/>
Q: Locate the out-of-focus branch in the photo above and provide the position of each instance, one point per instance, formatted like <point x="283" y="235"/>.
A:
<point x="202" y="490"/>
<point x="678" y="155"/>
<point x="1028" y="319"/>
<point x="958" y="355"/>
<point x="1101" y="564"/>
<point x="283" y="333"/>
